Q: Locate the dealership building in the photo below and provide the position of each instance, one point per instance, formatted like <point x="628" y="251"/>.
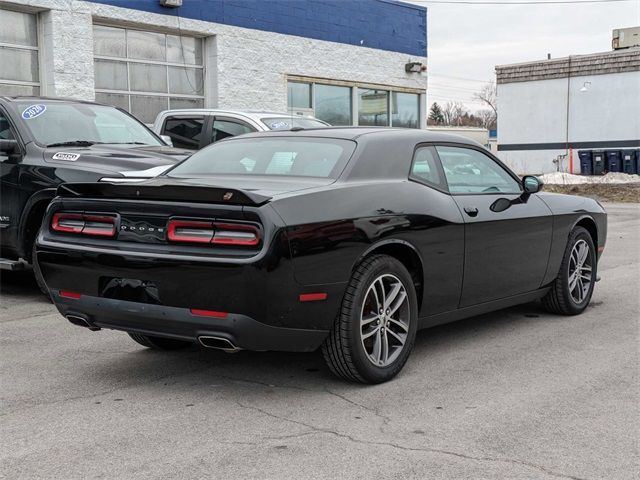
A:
<point x="357" y="62"/>
<point x="550" y="110"/>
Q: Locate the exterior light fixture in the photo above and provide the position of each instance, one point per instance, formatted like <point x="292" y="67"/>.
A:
<point x="585" y="86"/>
<point x="414" y="67"/>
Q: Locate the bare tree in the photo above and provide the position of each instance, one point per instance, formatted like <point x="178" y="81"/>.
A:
<point x="488" y="94"/>
<point x="453" y="112"/>
<point x="486" y="118"/>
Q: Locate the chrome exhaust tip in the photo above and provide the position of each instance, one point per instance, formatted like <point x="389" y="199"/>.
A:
<point x="81" y="322"/>
<point x="219" y="343"/>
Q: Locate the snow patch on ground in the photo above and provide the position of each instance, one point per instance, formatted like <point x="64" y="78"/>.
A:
<point x="562" y="178"/>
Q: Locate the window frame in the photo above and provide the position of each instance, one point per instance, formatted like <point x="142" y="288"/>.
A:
<point x="488" y="154"/>
<point x="164" y="63"/>
<point x="30" y="48"/>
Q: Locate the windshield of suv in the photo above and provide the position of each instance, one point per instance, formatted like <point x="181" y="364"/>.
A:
<point x="81" y="124"/>
<point x="288" y="156"/>
<point x="287" y="123"/>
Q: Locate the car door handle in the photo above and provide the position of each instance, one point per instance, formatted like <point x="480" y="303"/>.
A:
<point x="471" y="211"/>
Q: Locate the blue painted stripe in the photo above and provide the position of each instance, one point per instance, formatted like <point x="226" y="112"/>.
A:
<point x="382" y="24"/>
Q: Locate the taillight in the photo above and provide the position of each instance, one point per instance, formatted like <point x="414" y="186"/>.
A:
<point x="86" y="224"/>
<point x="217" y="233"/>
<point x="188" y="231"/>
<point x="235" y="234"/>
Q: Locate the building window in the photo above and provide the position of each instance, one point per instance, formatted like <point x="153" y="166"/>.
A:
<point x="333" y="104"/>
<point x="373" y="108"/>
<point x="405" y="110"/>
<point x="147" y="72"/>
<point x="336" y="105"/>
<point x="19" y="54"/>
<point x="299" y="95"/>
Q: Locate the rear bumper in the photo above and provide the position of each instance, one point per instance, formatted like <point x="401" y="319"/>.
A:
<point x="179" y="323"/>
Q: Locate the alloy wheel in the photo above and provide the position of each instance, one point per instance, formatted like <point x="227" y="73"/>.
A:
<point x="580" y="271"/>
<point x="384" y="320"/>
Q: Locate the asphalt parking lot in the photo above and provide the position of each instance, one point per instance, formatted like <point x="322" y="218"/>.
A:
<point x="516" y="394"/>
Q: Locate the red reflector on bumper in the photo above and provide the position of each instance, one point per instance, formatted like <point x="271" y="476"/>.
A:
<point x="68" y="294"/>
<point x="208" y="313"/>
<point x="312" y="297"/>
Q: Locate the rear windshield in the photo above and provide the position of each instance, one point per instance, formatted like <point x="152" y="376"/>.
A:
<point x="287" y="123"/>
<point x="277" y="156"/>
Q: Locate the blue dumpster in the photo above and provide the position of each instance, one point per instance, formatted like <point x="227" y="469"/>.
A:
<point x="613" y="161"/>
<point x="598" y="162"/>
<point x="586" y="162"/>
<point x="629" y="164"/>
<point x="638" y="161"/>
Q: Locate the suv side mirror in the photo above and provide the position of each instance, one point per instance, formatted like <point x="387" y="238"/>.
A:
<point x="9" y="147"/>
<point x="531" y="184"/>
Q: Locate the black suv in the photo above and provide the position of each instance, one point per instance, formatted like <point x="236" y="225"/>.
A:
<point x="45" y="142"/>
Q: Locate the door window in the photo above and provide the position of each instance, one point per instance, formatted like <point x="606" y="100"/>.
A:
<point x="228" y="128"/>
<point x="185" y="132"/>
<point x="5" y="128"/>
<point x="425" y="167"/>
<point x="471" y="171"/>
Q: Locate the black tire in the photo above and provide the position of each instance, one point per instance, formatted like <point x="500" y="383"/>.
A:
<point x="159" y="343"/>
<point x="343" y="349"/>
<point x="37" y="273"/>
<point x="559" y="299"/>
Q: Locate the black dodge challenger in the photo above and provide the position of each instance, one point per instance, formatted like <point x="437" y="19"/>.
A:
<point x="349" y="239"/>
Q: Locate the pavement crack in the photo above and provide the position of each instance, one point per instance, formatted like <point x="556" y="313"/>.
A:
<point x="312" y="429"/>
<point x="385" y="419"/>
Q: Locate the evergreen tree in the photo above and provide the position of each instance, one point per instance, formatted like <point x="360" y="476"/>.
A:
<point x="435" y="114"/>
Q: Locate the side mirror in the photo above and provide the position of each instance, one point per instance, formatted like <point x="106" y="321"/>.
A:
<point x="167" y="140"/>
<point x="531" y="184"/>
<point x="9" y="147"/>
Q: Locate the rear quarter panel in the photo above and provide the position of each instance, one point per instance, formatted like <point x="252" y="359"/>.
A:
<point x="330" y="231"/>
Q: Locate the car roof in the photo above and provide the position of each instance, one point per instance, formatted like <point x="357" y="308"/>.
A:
<point x="411" y="135"/>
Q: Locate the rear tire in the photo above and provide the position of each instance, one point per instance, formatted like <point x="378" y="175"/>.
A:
<point x="159" y="343"/>
<point x="571" y="291"/>
<point x="375" y="330"/>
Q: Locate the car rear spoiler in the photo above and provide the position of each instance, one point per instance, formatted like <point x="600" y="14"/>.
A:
<point x="163" y="190"/>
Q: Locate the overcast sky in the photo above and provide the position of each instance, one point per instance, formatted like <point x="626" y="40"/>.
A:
<point x="469" y="40"/>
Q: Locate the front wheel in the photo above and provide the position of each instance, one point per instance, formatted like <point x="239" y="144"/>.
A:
<point x="572" y="289"/>
<point x="375" y="330"/>
<point x="159" y="343"/>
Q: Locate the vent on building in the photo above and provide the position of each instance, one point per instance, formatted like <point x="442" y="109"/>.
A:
<point x="626" y="38"/>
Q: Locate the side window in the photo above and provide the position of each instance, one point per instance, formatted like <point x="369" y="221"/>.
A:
<point x="185" y="132"/>
<point x="228" y="128"/>
<point x="5" y="128"/>
<point x="425" y="167"/>
<point x="471" y="171"/>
